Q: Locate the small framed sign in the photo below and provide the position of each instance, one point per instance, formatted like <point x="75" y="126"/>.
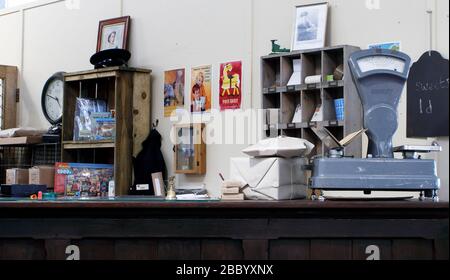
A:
<point x="158" y="184"/>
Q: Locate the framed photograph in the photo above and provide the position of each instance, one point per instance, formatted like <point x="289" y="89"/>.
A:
<point x="310" y="26"/>
<point x="113" y="34"/>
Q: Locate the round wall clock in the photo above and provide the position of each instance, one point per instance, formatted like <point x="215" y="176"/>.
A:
<point x="52" y="98"/>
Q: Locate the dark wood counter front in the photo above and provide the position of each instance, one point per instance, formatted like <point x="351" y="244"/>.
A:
<point x="215" y="230"/>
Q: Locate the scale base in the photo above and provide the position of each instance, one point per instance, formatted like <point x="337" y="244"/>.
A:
<point x="368" y="175"/>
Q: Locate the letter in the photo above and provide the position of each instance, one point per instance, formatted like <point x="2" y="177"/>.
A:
<point x="207" y="269"/>
<point x="73" y="253"/>
<point x="374" y="253"/>
<point x="179" y="271"/>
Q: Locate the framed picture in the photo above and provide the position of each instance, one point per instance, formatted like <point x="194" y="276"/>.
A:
<point x="310" y="26"/>
<point x="113" y="34"/>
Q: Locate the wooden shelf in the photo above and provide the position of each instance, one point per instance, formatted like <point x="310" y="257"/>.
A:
<point x="74" y="145"/>
<point x="303" y="87"/>
<point x="276" y="72"/>
<point x="30" y="140"/>
<point x="292" y="126"/>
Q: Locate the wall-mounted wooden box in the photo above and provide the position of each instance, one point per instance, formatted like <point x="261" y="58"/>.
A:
<point x="277" y="71"/>
<point x="8" y="99"/>
<point x="127" y="91"/>
<point x="190" y="149"/>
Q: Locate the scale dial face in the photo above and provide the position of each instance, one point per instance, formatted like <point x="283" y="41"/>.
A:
<point x="52" y="99"/>
<point x="381" y="62"/>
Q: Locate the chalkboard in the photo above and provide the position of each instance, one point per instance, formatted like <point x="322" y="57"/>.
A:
<point x="428" y="91"/>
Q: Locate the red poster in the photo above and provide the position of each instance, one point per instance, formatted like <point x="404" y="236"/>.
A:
<point x="230" y="89"/>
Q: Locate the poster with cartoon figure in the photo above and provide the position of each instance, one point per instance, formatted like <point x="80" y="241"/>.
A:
<point x="174" y="83"/>
<point x="201" y="89"/>
<point x="230" y="85"/>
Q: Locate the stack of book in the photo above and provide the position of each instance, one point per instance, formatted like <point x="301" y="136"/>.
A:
<point x="231" y="191"/>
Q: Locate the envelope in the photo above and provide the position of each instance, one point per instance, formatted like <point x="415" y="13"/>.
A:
<point x="271" y="178"/>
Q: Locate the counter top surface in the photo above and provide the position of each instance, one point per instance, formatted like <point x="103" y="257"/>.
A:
<point x="216" y="204"/>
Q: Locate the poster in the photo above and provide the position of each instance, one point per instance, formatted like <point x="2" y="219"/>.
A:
<point x="200" y="91"/>
<point x="174" y="86"/>
<point x="230" y="85"/>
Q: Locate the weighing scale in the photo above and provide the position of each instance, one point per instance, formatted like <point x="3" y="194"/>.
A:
<point x="380" y="77"/>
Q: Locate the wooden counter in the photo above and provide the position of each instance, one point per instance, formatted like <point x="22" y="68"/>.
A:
<point x="224" y="230"/>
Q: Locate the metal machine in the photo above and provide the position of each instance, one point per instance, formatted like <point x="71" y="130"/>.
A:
<point x="380" y="77"/>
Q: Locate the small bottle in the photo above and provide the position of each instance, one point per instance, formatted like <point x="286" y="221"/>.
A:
<point x="111" y="189"/>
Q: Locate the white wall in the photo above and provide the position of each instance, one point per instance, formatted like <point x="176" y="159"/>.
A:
<point x="168" y="34"/>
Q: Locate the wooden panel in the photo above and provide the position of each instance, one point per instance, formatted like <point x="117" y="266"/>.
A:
<point x="290" y="249"/>
<point x="142" y="117"/>
<point x="9" y="76"/>
<point x="21" y="249"/>
<point x="441" y="249"/>
<point x="331" y="249"/>
<point x="56" y="249"/>
<point x="172" y="249"/>
<point x="71" y="92"/>
<point x="222" y="249"/>
<point x="89" y="76"/>
<point x="360" y="247"/>
<point x="73" y="145"/>
<point x="256" y="250"/>
<point x="353" y="107"/>
<point x="134" y="249"/>
<point x="106" y="70"/>
<point x="124" y="134"/>
<point x="413" y="249"/>
<point x="96" y="249"/>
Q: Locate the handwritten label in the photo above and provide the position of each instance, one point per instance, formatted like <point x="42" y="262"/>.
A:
<point x="430" y="86"/>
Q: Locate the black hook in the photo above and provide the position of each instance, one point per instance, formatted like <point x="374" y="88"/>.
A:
<point x="155" y="124"/>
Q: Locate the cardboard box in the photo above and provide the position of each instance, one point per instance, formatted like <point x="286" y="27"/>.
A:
<point x="17" y="176"/>
<point x="42" y="175"/>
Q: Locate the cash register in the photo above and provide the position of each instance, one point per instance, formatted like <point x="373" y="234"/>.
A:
<point x="380" y="77"/>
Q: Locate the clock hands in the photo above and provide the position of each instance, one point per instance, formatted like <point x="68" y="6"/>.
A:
<point x="55" y="98"/>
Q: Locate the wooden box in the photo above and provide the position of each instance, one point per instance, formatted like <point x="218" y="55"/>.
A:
<point x="190" y="149"/>
<point x="127" y="91"/>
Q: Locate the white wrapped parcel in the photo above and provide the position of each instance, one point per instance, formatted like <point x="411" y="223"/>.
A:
<point x="271" y="178"/>
<point x="285" y="147"/>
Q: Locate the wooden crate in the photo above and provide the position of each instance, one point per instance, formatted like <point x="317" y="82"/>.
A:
<point x="128" y="92"/>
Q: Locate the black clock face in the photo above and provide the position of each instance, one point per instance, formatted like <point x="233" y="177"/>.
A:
<point x="52" y="99"/>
